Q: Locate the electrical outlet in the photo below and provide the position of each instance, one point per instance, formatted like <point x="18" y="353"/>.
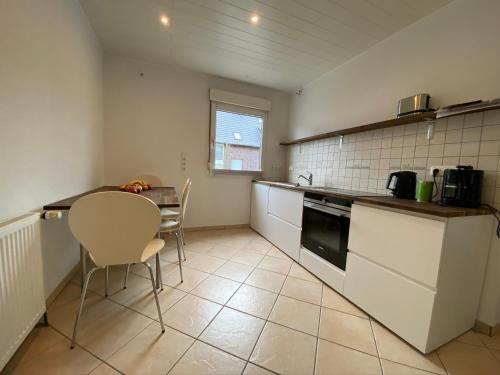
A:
<point x="441" y="169"/>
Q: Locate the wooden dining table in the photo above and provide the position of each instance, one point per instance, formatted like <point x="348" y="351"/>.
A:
<point x="162" y="196"/>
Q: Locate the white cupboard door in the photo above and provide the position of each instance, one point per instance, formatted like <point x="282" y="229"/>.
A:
<point x="393" y="300"/>
<point x="258" y="210"/>
<point x="284" y="236"/>
<point x="406" y="244"/>
<point x="287" y="205"/>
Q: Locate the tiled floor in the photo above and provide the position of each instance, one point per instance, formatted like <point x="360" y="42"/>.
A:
<point x="244" y="308"/>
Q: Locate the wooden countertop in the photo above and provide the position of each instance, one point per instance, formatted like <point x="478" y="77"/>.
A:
<point x="428" y="208"/>
<point x="161" y="196"/>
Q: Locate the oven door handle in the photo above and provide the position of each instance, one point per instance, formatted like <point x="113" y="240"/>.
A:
<point x="327" y="210"/>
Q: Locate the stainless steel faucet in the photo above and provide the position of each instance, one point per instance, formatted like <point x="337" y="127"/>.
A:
<point x="310" y="179"/>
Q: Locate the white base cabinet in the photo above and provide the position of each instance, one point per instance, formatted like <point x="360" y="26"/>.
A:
<point x="419" y="276"/>
<point x="276" y="214"/>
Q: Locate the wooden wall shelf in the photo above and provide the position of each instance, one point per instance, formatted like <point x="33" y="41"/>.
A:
<point x="373" y="126"/>
<point x="427" y="116"/>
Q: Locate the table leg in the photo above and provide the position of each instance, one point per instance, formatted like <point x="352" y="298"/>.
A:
<point x="83" y="264"/>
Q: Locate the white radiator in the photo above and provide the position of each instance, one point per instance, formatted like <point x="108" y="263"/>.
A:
<point x="22" y="300"/>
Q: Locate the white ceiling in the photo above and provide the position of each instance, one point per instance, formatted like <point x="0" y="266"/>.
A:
<point x="294" y="42"/>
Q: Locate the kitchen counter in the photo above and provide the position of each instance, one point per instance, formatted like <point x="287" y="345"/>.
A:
<point x="428" y="208"/>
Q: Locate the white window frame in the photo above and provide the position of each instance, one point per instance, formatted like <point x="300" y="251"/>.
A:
<point x="214" y="106"/>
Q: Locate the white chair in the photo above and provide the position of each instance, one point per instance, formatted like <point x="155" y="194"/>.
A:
<point x="175" y="226"/>
<point x="116" y="228"/>
<point x="167" y="214"/>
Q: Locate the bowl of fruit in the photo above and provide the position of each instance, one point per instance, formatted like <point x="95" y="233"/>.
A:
<point x="135" y="186"/>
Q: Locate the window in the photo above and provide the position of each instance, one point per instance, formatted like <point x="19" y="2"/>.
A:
<point x="236" y="138"/>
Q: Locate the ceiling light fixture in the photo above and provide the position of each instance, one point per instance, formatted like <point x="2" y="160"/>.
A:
<point x="255" y="18"/>
<point x="164" y="20"/>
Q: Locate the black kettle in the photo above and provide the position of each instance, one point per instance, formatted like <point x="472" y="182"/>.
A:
<point x="402" y="184"/>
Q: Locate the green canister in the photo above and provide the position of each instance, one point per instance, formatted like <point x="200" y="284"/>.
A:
<point x="424" y="191"/>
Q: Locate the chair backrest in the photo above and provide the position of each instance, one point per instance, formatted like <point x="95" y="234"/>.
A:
<point x="155" y="181"/>
<point x="114" y="226"/>
<point x="185" y="196"/>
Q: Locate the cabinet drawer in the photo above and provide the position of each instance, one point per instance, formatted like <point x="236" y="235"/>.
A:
<point x="393" y="300"/>
<point x="406" y="244"/>
<point x="284" y="236"/>
<point x="286" y="205"/>
<point x="258" y="208"/>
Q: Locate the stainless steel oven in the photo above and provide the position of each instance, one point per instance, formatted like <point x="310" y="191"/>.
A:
<point x="325" y="227"/>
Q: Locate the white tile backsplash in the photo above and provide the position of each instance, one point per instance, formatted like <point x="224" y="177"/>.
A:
<point x="365" y="159"/>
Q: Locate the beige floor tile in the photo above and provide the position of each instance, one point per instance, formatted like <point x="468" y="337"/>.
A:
<point x="302" y="290"/>
<point x="247" y="257"/>
<point x="135" y="286"/>
<point x="347" y="330"/>
<point x="234" y="332"/>
<point x="470" y="337"/>
<point x="59" y="359"/>
<point x="104" y="326"/>
<point x="191" y="278"/>
<point x="393" y="368"/>
<point x="296" y="314"/>
<point x="490" y="342"/>
<point x="394" y="349"/>
<point x="335" y="359"/>
<point x="254" y="301"/>
<point x="268" y="280"/>
<point x="277" y="253"/>
<point x="234" y="271"/>
<point x="145" y="302"/>
<point x="141" y="270"/>
<point x="275" y="264"/>
<point x="200" y="247"/>
<point x="104" y="369"/>
<point x="191" y="315"/>
<point x="222" y="251"/>
<point x="285" y="351"/>
<point x="202" y="359"/>
<point x="258" y="245"/>
<point x="334" y="300"/>
<point x="172" y="255"/>
<point x="496" y="353"/>
<point x="252" y="369"/>
<point x="459" y="358"/>
<point x="151" y="352"/>
<point x="205" y="263"/>
<point x="40" y="339"/>
<point x="217" y="289"/>
<point x="301" y="273"/>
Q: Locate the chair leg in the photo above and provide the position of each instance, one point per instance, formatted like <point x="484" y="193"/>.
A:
<point x="179" y="246"/>
<point x="83" y="263"/>
<point x="181" y="231"/>
<point x="126" y="276"/>
<point x="106" y="281"/>
<point x="155" y="291"/>
<point x="82" y="300"/>
<point x="159" y="280"/>
<point x="183" y="238"/>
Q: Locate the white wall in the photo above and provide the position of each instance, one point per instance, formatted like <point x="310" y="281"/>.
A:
<point x="151" y="119"/>
<point x="451" y="54"/>
<point x="50" y="116"/>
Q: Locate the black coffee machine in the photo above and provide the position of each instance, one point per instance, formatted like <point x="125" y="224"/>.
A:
<point x="462" y="187"/>
<point x="402" y="184"/>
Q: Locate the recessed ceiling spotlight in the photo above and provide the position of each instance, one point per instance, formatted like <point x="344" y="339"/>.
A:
<point x="255" y="18"/>
<point x="164" y="20"/>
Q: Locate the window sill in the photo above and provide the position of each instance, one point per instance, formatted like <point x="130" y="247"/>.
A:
<point x="231" y="171"/>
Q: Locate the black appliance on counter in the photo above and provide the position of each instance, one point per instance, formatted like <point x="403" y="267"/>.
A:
<point x="325" y="227"/>
<point x="402" y="184"/>
<point x="462" y="187"/>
